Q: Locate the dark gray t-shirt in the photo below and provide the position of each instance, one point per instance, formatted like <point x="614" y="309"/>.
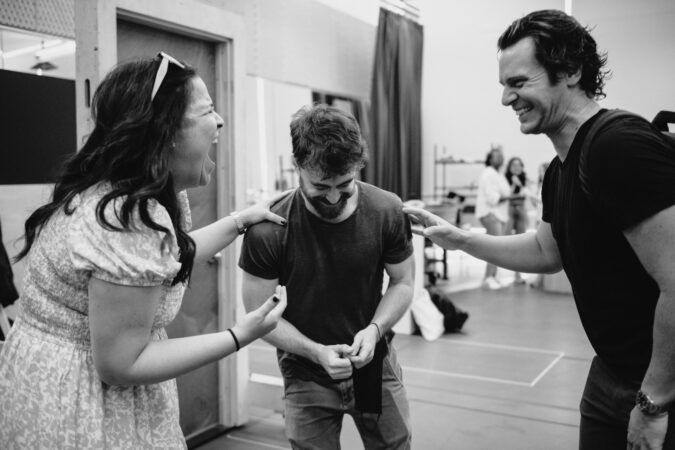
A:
<point x="332" y="272"/>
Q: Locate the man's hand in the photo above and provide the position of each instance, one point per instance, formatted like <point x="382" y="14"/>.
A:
<point x="363" y="347"/>
<point x="646" y="433"/>
<point x="433" y="227"/>
<point x="333" y="359"/>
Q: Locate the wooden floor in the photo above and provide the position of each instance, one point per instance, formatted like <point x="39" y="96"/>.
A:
<point x="511" y="380"/>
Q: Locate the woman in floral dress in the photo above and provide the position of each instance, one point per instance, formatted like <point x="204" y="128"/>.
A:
<point x="88" y="363"/>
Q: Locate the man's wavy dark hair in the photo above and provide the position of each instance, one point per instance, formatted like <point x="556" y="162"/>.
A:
<point x="128" y="148"/>
<point x="328" y="140"/>
<point x="563" y="46"/>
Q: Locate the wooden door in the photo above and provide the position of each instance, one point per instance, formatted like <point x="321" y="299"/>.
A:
<point x="198" y="390"/>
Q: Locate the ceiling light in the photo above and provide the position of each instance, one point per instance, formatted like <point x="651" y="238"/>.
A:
<point x="42" y="66"/>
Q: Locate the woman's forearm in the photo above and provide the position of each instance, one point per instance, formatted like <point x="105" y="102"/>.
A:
<point x="166" y="359"/>
<point x="163" y="360"/>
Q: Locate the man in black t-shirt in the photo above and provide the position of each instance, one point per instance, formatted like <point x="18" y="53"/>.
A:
<point x="615" y="240"/>
<point x="333" y="340"/>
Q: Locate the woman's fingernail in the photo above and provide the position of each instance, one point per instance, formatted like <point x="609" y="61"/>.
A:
<point x="275" y="299"/>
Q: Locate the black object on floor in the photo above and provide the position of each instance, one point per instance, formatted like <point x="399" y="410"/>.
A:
<point x="453" y="317"/>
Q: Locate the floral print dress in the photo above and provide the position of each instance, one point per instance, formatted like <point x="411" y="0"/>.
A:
<point x="50" y="393"/>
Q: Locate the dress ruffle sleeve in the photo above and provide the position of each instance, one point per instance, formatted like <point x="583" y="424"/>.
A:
<point x="140" y="256"/>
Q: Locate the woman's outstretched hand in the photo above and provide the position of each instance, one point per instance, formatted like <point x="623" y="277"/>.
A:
<point x="438" y="230"/>
<point x="261" y="211"/>
<point x="262" y="320"/>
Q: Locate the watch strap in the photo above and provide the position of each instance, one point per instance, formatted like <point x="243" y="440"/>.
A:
<point x="647" y="405"/>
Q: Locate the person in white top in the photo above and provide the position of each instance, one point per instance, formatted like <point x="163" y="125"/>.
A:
<point x="492" y="208"/>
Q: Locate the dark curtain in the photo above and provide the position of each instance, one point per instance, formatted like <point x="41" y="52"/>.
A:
<point x="362" y="116"/>
<point x="395" y="127"/>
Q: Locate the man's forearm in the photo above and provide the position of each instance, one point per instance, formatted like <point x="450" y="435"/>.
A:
<point x="393" y="305"/>
<point x="659" y="381"/>
<point x="286" y="337"/>
<point x="521" y="253"/>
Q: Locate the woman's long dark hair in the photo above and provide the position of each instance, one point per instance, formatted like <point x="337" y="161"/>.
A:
<point x="509" y="175"/>
<point x="128" y="148"/>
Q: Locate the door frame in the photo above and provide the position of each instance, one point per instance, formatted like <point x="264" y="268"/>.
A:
<point x="96" y="40"/>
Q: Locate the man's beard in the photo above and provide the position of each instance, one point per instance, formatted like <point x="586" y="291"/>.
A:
<point x="328" y="210"/>
<point x="324" y="208"/>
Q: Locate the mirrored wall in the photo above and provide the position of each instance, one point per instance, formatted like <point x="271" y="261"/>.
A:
<point x="38" y="54"/>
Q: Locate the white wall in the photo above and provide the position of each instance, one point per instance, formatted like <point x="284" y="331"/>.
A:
<point x="268" y="138"/>
<point x="640" y="40"/>
<point x="308" y="43"/>
<point x="292" y="48"/>
<point x="365" y="10"/>
<point x="461" y="94"/>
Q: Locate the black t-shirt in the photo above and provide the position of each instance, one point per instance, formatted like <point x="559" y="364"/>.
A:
<point x="631" y="169"/>
<point x="332" y="271"/>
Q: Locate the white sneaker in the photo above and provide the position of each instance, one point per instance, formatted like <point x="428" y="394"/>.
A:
<point x="491" y="283"/>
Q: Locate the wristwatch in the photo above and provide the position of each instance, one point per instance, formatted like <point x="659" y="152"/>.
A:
<point x="647" y="405"/>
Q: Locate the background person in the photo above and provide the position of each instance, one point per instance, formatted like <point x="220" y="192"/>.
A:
<point x="518" y="218"/>
<point x="494" y="193"/>
<point x="88" y="363"/>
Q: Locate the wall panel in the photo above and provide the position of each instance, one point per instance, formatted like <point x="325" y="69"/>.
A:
<point x="639" y="38"/>
<point x="307" y="43"/>
<point x="55" y="17"/>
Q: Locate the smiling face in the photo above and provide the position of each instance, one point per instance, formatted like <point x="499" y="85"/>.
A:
<point x="190" y="163"/>
<point x="327" y="198"/>
<point x="516" y="166"/>
<point x="540" y="105"/>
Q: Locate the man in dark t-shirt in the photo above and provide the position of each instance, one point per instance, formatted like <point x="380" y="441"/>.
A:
<point x="614" y="237"/>
<point x="333" y="340"/>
